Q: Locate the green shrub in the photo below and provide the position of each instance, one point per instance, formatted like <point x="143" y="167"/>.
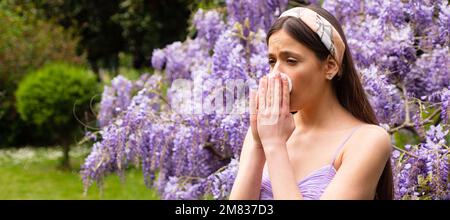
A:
<point x="48" y="97"/>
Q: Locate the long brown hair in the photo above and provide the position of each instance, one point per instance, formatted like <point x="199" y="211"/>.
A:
<point x="347" y="85"/>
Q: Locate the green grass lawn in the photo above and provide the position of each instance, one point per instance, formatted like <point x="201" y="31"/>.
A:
<point x="33" y="173"/>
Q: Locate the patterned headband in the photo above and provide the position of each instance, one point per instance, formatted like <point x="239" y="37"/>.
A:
<point x="327" y="33"/>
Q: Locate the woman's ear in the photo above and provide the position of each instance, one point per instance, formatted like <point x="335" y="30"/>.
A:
<point x="331" y="68"/>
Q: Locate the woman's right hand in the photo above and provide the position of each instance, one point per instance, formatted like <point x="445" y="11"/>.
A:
<point x="253" y="115"/>
<point x="251" y="161"/>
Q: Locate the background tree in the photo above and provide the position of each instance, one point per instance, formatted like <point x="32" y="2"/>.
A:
<point x="108" y="27"/>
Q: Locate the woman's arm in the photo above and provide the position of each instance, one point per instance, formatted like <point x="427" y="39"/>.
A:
<point x="248" y="180"/>
<point x="281" y="172"/>
<point x="362" y="165"/>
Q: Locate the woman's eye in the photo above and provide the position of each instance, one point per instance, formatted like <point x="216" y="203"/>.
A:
<point x="292" y="61"/>
<point x="271" y="61"/>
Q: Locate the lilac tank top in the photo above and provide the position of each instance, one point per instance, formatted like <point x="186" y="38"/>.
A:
<point x="313" y="185"/>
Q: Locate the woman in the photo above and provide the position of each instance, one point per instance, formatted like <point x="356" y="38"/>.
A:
<point x="331" y="146"/>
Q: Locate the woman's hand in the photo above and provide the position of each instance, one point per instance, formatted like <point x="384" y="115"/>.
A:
<point x="274" y="121"/>
<point x="253" y="118"/>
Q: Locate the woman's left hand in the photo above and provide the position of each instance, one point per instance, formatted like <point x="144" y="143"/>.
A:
<point x="275" y="123"/>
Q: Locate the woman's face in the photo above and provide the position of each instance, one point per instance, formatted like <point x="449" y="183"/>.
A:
<point x="307" y="72"/>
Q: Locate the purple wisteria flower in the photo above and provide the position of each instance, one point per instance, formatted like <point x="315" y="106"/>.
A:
<point x="158" y="59"/>
<point x="209" y="25"/>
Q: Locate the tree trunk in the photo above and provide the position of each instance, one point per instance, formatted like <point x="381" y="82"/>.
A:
<point x="65" y="162"/>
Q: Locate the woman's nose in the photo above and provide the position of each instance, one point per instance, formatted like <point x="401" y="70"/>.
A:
<point x="277" y="67"/>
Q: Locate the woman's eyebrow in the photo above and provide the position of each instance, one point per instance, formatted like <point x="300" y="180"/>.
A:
<point x="290" y="53"/>
<point x="286" y="53"/>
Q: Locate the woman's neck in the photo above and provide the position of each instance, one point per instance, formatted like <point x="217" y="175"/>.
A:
<point x="324" y="114"/>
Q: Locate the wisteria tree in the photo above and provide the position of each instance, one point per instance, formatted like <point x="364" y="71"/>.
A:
<point x="183" y="126"/>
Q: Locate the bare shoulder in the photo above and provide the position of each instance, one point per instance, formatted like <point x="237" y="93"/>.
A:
<point x="377" y="134"/>
<point x="372" y="140"/>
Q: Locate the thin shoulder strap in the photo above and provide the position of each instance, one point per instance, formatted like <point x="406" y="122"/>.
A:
<point x="342" y="144"/>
